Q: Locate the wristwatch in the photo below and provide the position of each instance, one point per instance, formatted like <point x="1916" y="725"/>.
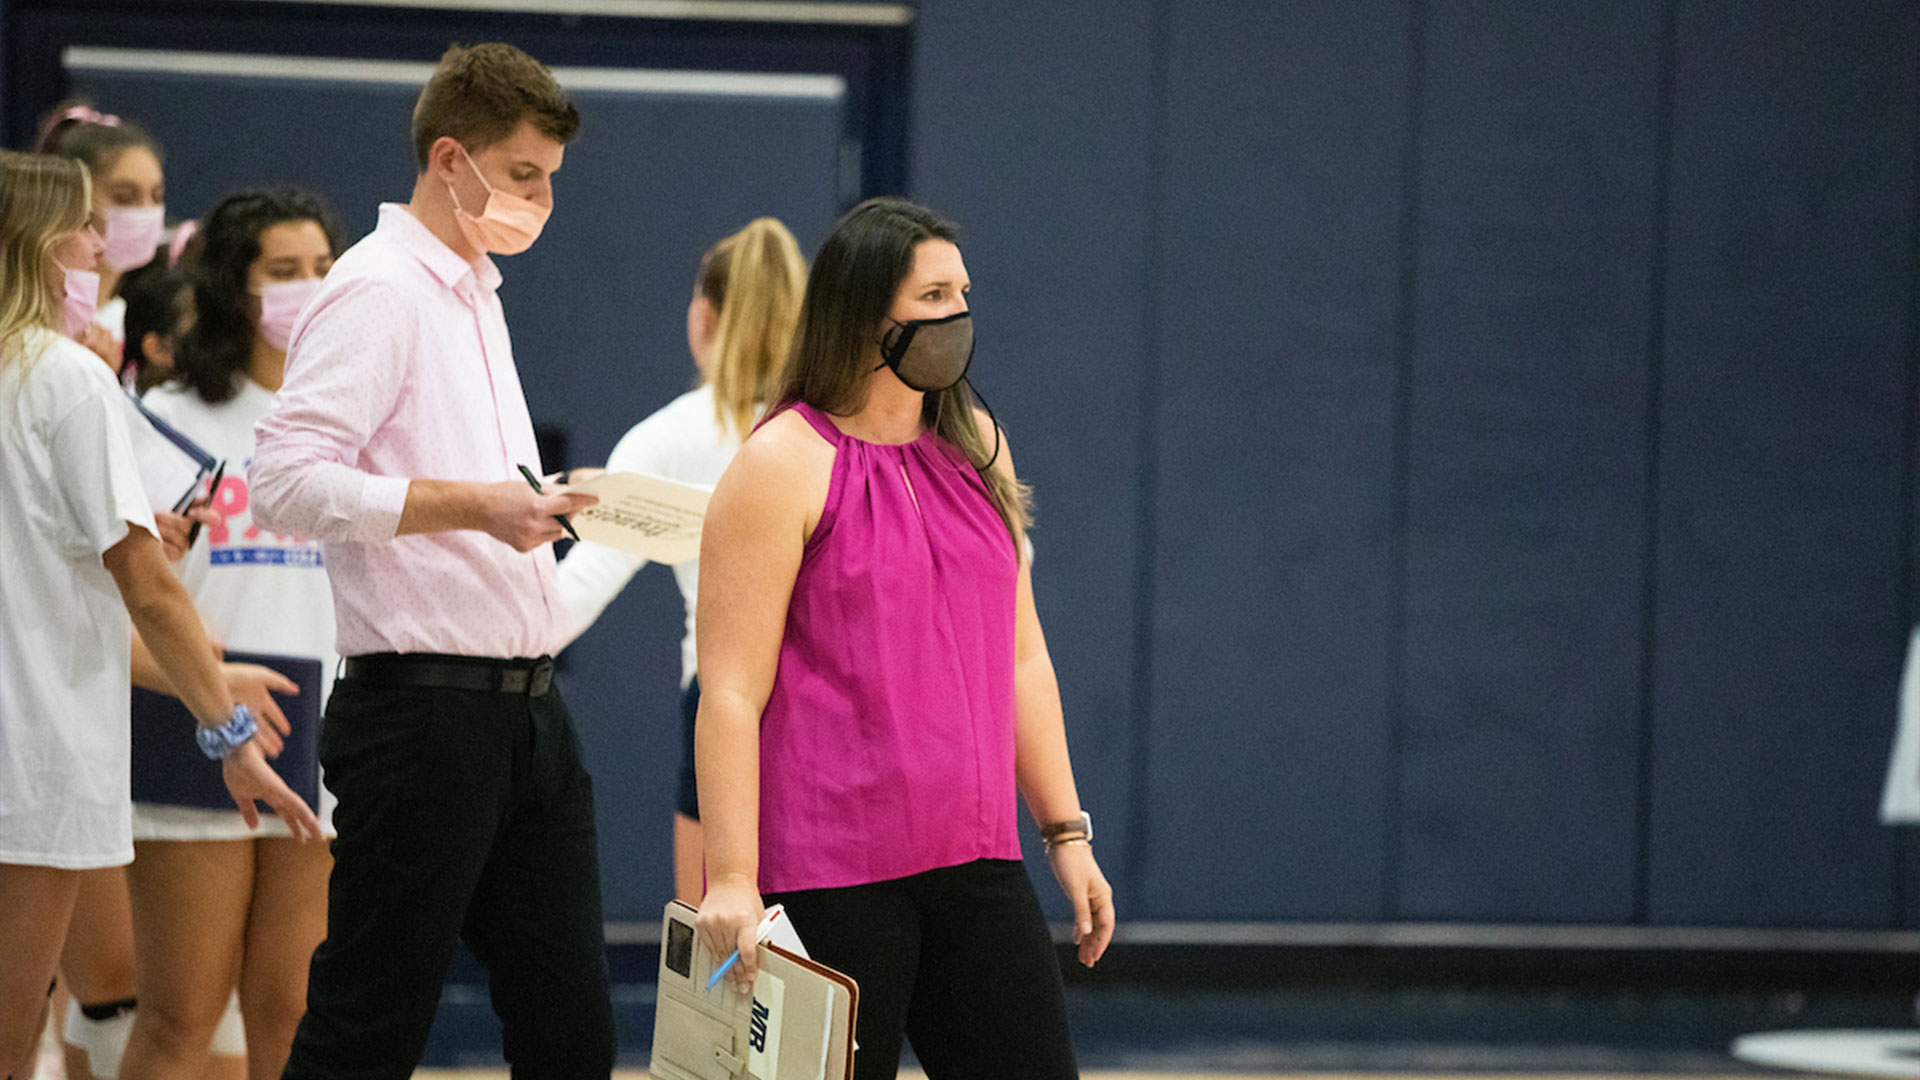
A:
<point x="218" y="742"/>
<point x="1079" y="830"/>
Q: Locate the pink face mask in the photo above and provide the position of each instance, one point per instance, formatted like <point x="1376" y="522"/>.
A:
<point x="280" y="305"/>
<point x="508" y="225"/>
<point x="133" y="234"/>
<point x="83" y="297"/>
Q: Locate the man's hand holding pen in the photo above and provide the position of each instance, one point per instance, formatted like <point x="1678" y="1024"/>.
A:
<point x="523" y="518"/>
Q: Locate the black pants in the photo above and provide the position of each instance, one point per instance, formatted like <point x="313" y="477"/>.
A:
<point x="687" y="800"/>
<point x="957" y="959"/>
<point x="466" y="815"/>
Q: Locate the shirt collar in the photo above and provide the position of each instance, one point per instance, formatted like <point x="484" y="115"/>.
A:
<point x="398" y="223"/>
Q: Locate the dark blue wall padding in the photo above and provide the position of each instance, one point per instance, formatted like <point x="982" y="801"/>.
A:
<point x="1275" y="292"/>
<point x="1783" y="505"/>
<point x="1475" y="446"/>
<point x="1055" y="240"/>
<point x="598" y="314"/>
<point x="1526" y="462"/>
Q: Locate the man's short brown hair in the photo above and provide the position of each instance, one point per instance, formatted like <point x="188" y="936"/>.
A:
<point x="480" y="93"/>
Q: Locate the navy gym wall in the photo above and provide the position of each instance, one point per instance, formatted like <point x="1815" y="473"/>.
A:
<point x="1474" y="442"/>
<point x="1512" y="408"/>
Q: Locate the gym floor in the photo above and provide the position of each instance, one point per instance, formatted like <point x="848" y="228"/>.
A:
<point x="1290" y="1015"/>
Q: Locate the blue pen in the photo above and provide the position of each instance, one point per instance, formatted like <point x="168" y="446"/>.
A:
<point x="759" y="934"/>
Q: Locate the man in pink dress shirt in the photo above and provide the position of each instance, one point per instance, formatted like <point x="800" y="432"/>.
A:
<point x="464" y="809"/>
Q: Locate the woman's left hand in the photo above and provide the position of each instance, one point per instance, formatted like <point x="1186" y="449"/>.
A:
<point x="1080" y="878"/>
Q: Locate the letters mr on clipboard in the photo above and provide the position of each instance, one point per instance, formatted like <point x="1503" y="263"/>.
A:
<point x="798" y="1025"/>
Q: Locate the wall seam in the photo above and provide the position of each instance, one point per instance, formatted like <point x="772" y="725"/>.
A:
<point x="1140" y="777"/>
<point x="1659" y="243"/>
<point x="1405" y="334"/>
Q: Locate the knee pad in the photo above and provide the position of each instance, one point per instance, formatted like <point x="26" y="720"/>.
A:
<point x="230" y="1038"/>
<point x="100" y="1031"/>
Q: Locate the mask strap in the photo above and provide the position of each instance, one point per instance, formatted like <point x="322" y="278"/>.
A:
<point x="991" y="417"/>
<point x="894" y="343"/>
<point x="475" y="166"/>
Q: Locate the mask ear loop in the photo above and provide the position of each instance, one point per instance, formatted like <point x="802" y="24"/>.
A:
<point x="893" y="344"/>
<point x="996" y="422"/>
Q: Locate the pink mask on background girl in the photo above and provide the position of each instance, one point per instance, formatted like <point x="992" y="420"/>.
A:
<point x="133" y="234"/>
<point x="507" y="225"/>
<point x="83" y="298"/>
<point x="280" y="305"/>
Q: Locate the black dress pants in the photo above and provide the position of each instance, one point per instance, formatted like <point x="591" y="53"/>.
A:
<point x="462" y="815"/>
<point x="958" y="960"/>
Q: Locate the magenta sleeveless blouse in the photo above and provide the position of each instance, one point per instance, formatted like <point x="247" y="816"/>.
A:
<point x="886" y="746"/>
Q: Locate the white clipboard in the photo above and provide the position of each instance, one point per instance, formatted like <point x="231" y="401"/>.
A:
<point x="798" y="1025"/>
<point x="173" y="468"/>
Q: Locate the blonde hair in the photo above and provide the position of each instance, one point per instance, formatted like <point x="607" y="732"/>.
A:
<point x="754" y="279"/>
<point x="42" y="198"/>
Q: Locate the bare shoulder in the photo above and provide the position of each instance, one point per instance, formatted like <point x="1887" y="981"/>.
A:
<point x="785" y="448"/>
<point x="783" y="468"/>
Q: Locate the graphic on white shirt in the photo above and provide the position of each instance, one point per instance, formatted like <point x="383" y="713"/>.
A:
<point x="236" y="540"/>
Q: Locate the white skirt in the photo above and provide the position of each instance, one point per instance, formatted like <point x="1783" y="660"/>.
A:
<point x="157" y="821"/>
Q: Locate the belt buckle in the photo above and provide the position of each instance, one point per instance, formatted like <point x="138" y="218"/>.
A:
<point x="540" y="677"/>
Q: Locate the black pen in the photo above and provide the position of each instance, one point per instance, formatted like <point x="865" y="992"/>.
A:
<point x="193" y="530"/>
<point x="537" y="490"/>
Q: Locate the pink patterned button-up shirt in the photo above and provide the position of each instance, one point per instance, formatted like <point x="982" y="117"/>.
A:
<point x="401" y="368"/>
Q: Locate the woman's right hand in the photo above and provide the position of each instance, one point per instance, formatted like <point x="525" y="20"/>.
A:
<point x="249" y="777"/>
<point x="730" y="919"/>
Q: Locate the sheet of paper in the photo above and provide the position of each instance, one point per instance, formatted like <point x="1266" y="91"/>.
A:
<point x="647" y="515"/>
<point x="763" y="1027"/>
<point x="826" y="1034"/>
<point x="785" y="935"/>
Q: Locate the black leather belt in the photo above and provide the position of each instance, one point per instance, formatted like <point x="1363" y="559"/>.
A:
<point x="433" y="670"/>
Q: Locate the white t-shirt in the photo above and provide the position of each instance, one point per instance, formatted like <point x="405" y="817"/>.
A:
<point x="112" y="317"/>
<point x="256" y="591"/>
<point x="69" y="490"/>
<point x="683" y="441"/>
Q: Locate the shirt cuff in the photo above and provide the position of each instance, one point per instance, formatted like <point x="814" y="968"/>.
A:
<point x="382" y="500"/>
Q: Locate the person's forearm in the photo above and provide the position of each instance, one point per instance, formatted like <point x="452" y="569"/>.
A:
<point x="146" y="670"/>
<point x="443" y="506"/>
<point x="727" y="756"/>
<point x="171" y="631"/>
<point x="1042" y="766"/>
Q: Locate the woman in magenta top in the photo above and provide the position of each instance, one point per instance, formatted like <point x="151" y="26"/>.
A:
<point x="875" y="685"/>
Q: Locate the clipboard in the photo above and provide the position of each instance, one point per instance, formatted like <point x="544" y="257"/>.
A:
<point x="798" y="1025"/>
<point x="172" y="466"/>
<point x="168" y="767"/>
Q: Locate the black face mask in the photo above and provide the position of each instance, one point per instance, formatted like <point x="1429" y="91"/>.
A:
<point x="929" y="355"/>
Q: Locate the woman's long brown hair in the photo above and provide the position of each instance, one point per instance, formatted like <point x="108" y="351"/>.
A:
<point x="849" y="292"/>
